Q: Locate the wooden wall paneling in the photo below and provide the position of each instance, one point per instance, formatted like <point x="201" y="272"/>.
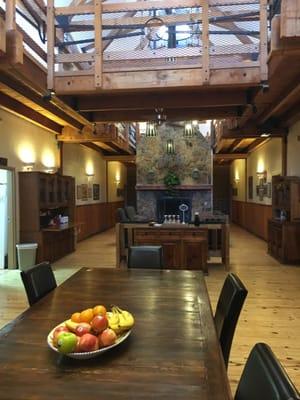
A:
<point x="95" y="218"/>
<point x="252" y="216"/>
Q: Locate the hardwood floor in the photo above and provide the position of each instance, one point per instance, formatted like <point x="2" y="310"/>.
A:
<point x="271" y="312"/>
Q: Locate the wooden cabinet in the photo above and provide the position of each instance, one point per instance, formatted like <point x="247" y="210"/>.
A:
<point x="286" y="198"/>
<point x="42" y="198"/>
<point x="284" y="241"/>
<point x="182" y="248"/>
<point x="284" y="228"/>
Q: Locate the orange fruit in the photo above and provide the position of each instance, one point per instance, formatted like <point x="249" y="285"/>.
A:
<point x="75" y="317"/>
<point x="86" y="315"/>
<point x="99" y="310"/>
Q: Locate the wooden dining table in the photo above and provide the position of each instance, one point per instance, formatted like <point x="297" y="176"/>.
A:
<point x="172" y="352"/>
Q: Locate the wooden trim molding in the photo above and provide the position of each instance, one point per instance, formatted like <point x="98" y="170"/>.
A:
<point x="252" y="216"/>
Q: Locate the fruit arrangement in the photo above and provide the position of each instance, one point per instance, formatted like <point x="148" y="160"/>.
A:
<point x="91" y="329"/>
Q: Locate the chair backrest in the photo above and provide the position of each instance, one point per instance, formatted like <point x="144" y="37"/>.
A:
<point x="121" y="216"/>
<point x="130" y="212"/>
<point x="38" y="281"/>
<point x="263" y="378"/>
<point x="145" y="257"/>
<point x="228" y="309"/>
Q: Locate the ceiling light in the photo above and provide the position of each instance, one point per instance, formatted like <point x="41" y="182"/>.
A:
<point x="265" y="135"/>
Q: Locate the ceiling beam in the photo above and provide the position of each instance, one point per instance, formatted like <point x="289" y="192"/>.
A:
<point x="33" y="96"/>
<point x="122" y="158"/>
<point x="253" y="132"/>
<point x="27" y="113"/>
<point x="230" y="156"/>
<point x="179" y="100"/>
<point x="234" y="145"/>
<point x="256" y="144"/>
<point x="172" y="114"/>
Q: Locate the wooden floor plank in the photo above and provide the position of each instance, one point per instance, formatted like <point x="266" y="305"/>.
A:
<point x="271" y="311"/>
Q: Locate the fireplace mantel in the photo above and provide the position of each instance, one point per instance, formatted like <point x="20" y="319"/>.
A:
<point x="179" y="187"/>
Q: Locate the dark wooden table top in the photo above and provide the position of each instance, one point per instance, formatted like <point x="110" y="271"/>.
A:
<point x="172" y="352"/>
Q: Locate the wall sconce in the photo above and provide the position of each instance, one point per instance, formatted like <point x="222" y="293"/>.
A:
<point x="170" y="146"/>
<point x="151" y="129"/>
<point x="28" y="166"/>
<point x="261" y="175"/>
<point x="50" y="170"/>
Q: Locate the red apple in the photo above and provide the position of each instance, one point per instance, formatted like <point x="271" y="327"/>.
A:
<point x="107" y="338"/>
<point x="99" y="323"/>
<point x="82" y="329"/>
<point x="57" y="332"/>
<point x="88" y="342"/>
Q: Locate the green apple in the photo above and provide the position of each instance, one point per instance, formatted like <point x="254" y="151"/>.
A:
<point x="67" y="342"/>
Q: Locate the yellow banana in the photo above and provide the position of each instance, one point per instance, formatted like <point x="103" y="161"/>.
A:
<point x="126" y="320"/>
<point x="114" y="322"/>
<point x="71" y="325"/>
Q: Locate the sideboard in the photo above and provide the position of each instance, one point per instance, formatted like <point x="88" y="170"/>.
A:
<point x="184" y="246"/>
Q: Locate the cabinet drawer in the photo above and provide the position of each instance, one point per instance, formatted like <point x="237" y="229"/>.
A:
<point x="169" y="235"/>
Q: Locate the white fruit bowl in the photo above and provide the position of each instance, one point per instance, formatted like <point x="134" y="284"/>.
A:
<point x="88" y="354"/>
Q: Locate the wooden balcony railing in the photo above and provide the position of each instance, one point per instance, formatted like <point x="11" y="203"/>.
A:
<point x="162" y="43"/>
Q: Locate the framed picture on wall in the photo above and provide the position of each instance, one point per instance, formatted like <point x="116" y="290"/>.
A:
<point x="79" y="192"/>
<point x="96" y="191"/>
<point x="84" y="188"/>
<point x="250" y="187"/>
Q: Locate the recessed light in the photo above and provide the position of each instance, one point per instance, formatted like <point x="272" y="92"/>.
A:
<point x="265" y="135"/>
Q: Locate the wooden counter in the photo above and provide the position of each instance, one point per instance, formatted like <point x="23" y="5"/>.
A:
<point x="181" y="243"/>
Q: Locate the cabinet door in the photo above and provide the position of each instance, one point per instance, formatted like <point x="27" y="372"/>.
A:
<point x="171" y="254"/>
<point x="51" y="190"/>
<point x="194" y="254"/>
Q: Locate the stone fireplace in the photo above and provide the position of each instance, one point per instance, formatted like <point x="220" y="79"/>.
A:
<point x="192" y="164"/>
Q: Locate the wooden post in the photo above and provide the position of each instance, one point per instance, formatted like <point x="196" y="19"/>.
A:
<point x="263" y="18"/>
<point x="205" y="42"/>
<point x="98" y="43"/>
<point x="284" y="155"/>
<point x="50" y="43"/>
<point x="2" y="37"/>
<point x="14" y="39"/>
<point x="10" y="15"/>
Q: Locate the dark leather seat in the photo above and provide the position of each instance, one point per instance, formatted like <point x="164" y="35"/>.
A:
<point x="264" y="378"/>
<point x="145" y="257"/>
<point x="38" y="281"/>
<point x="228" y="309"/>
<point x="133" y="216"/>
<point x="121" y="215"/>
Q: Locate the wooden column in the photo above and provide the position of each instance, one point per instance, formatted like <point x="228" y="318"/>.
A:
<point x="290" y="16"/>
<point x="205" y="42"/>
<point x="284" y="155"/>
<point x="98" y="43"/>
<point x="2" y="37"/>
<point x="14" y="39"/>
<point x="50" y="43"/>
<point x="263" y="18"/>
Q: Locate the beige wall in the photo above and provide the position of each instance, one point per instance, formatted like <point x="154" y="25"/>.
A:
<point x="237" y="178"/>
<point x="20" y="140"/>
<point x="293" y="150"/>
<point x="266" y="158"/>
<point x="78" y="160"/>
<point x="116" y="171"/>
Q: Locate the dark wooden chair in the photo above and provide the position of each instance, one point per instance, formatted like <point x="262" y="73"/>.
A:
<point x="121" y="215"/>
<point x="133" y="216"/>
<point x="38" y="281"/>
<point x="228" y="309"/>
<point x="145" y="257"/>
<point x="264" y="378"/>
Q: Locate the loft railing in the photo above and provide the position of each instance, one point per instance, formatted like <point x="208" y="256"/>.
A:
<point x="132" y="44"/>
